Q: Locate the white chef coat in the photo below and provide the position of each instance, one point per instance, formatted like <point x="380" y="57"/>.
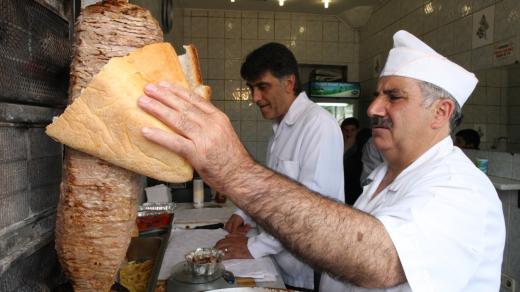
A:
<point x="444" y="218"/>
<point x="307" y="146"/>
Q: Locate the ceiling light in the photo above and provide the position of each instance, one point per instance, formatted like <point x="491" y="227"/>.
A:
<point x="232" y="1"/>
<point x="281" y="2"/>
<point x="325" y="3"/>
<point x="428" y="8"/>
<point x="332" y="104"/>
<point x="466" y="10"/>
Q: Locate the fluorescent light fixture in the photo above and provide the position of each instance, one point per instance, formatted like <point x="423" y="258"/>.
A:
<point x="325" y="3"/>
<point x="332" y="104"/>
<point x="280" y="2"/>
<point x="232" y="1"/>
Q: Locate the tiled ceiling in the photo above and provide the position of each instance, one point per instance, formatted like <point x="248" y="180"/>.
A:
<point x="336" y="7"/>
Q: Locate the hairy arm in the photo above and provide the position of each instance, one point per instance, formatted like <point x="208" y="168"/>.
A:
<point x="349" y="244"/>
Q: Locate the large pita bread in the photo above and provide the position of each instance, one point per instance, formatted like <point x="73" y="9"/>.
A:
<point x="105" y="120"/>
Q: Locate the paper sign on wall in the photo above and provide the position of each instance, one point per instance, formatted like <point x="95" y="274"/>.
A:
<point x="483" y="27"/>
<point x="504" y="53"/>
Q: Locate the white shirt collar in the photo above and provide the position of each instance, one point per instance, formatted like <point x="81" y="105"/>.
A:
<point x="442" y="148"/>
<point x="295" y="110"/>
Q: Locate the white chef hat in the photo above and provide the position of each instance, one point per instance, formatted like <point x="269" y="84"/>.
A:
<point x="410" y="57"/>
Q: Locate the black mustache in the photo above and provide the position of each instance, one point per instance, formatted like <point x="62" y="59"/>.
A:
<point x="380" y="122"/>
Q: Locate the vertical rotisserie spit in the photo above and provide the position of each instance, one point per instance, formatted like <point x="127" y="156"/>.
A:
<point x="98" y="201"/>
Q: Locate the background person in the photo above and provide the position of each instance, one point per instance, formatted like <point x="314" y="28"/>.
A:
<point x="467" y="139"/>
<point x="349" y="129"/>
<point x="353" y="166"/>
<point x="371" y="158"/>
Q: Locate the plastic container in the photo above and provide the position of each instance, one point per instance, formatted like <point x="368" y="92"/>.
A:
<point x="198" y="193"/>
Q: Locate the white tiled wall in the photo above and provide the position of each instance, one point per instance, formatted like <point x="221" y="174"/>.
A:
<point x="496" y="104"/>
<point x="513" y="111"/>
<point x="224" y="38"/>
<point x="487" y="109"/>
<point x="447" y="26"/>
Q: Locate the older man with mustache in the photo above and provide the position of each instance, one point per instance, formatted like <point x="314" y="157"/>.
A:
<point x="429" y="221"/>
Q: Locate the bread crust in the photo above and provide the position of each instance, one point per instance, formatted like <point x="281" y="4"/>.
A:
<point x="203" y="90"/>
<point x="191" y="67"/>
<point x="105" y="120"/>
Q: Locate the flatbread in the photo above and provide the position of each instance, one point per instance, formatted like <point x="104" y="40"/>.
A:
<point x="105" y="120"/>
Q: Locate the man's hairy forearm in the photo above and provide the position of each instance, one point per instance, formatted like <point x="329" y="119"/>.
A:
<point x="328" y="235"/>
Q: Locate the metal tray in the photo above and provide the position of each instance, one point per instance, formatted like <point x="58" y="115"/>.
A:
<point x="149" y="246"/>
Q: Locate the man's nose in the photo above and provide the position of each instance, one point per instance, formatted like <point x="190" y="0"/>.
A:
<point x="377" y="107"/>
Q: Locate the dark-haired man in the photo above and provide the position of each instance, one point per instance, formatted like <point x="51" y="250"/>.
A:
<point x="349" y="128"/>
<point x="306" y="146"/>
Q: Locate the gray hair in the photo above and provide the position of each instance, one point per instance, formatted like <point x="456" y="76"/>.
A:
<point x="432" y="92"/>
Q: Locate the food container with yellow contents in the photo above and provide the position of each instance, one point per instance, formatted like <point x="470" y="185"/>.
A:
<point x="135" y="275"/>
<point x="143" y="262"/>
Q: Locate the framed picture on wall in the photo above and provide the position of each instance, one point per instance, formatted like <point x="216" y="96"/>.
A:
<point x="483" y="27"/>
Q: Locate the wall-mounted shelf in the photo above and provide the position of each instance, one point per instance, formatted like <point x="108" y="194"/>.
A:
<point x="306" y="71"/>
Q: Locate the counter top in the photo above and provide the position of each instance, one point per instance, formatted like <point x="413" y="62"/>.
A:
<point x="504" y="184"/>
<point x="183" y="239"/>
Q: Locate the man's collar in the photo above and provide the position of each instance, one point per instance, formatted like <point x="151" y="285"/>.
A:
<point x="296" y="109"/>
<point x="443" y="147"/>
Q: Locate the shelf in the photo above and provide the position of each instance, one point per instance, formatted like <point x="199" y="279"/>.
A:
<point x="307" y="69"/>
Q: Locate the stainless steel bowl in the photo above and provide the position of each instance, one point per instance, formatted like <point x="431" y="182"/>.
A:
<point x="204" y="261"/>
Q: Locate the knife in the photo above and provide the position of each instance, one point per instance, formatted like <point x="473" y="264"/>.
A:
<point x="210" y="226"/>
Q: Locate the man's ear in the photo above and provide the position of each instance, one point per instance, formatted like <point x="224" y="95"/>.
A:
<point x="290" y="83"/>
<point x="443" y="110"/>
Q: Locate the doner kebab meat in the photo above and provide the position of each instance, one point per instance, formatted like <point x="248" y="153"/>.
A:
<point x="117" y="51"/>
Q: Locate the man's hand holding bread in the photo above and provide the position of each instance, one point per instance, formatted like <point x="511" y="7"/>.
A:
<point x="201" y="133"/>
